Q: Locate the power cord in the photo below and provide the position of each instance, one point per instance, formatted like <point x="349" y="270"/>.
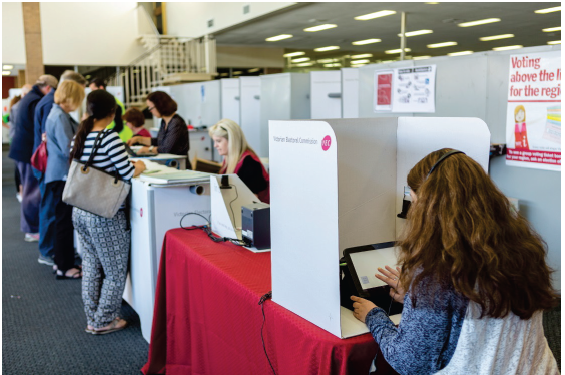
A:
<point x="261" y="302"/>
<point x="392" y="299"/>
<point x="206" y="228"/>
<point x="233" y="200"/>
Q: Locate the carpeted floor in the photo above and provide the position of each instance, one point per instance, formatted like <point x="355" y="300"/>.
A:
<point x="43" y="319"/>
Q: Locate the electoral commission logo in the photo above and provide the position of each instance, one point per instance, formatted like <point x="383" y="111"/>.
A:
<point x="326" y="143"/>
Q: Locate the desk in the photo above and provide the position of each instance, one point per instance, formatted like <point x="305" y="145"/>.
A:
<point x="207" y="320"/>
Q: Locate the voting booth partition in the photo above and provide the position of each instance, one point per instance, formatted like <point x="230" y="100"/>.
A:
<point x="347" y="180"/>
<point x="325" y="94"/>
<point x="230" y="98"/>
<point x="250" y="110"/>
<point x="350" y="92"/>
<point x="284" y="96"/>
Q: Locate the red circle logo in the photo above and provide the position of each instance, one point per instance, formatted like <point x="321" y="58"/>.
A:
<point x="141" y="212"/>
<point x="326" y="143"/>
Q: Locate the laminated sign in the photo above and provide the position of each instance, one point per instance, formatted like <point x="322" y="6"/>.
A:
<point x="533" y="116"/>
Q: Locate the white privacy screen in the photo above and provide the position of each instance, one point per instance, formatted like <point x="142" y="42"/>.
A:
<point x="366" y="265"/>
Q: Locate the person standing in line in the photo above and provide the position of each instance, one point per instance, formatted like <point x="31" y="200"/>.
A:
<point x="46" y="206"/>
<point x="105" y="242"/>
<point x="124" y="132"/>
<point x="476" y="278"/>
<point x="60" y="129"/>
<point x="14" y="105"/>
<point x="21" y="150"/>
<point x="173" y="133"/>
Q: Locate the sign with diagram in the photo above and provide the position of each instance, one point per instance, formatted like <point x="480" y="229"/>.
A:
<point x="533" y="115"/>
<point x="406" y="89"/>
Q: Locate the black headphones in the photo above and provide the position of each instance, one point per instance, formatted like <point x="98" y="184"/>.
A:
<point x="442" y="159"/>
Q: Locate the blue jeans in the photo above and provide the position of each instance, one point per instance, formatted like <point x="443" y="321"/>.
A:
<point x="46" y="217"/>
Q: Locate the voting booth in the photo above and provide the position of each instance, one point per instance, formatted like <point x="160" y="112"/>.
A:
<point x="338" y="184"/>
<point x="250" y="111"/>
<point x="325" y="94"/>
<point x="230" y="98"/>
<point x="350" y="92"/>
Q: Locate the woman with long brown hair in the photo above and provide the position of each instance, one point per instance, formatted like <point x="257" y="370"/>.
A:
<point x="475" y="275"/>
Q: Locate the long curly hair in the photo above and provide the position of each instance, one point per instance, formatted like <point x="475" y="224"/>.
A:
<point x="462" y="230"/>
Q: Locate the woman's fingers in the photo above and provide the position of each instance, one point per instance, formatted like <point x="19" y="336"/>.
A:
<point x="395" y="272"/>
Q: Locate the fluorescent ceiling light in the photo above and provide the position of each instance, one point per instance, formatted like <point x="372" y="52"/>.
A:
<point x="327" y="60"/>
<point x="320" y="27"/>
<point x="444" y="44"/>
<point x="506" y="48"/>
<point x="417" y="32"/>
<point x="291" y="54"/>
<point x="305" y="64"/>
<point x="460" y="53"/>
<point x="548" y="10"/>
<point x="360" y="61"/>
<point x="362" y="56"/>
<point x="432" y="3"/>
<point x="558" y="28"/>
<point x="238" y="72"/>
<point x="6" y="73"/>
<point x="554" y="42"/>
<point x="496" y="37"/>
<point x="224" y="74"/>
<point x="334" y="65"/>
<point x="421" y="57"/>
<point x="278" y="37"/>
<point x="366" y="41"/>
<point x="479" y="22"/>
<point x="371" y="16"/>
<point x="328" y="48"/>
<point x="8" y="67"/>
<point x="387" y="61"/>
<point x="391" y="51"/>
<point x="301" y="59"/>
<point x="252" y="70"/>
<point x="359" y="65"/>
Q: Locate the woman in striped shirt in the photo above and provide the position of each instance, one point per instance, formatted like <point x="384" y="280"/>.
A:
<point x="105" y="242"/>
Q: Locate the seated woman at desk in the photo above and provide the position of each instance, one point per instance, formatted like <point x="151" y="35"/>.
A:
<point x="135" y="120"/>
<point x="173" y="134"/>
<point x="239" y="158"/>
<point x="475" y="276"/>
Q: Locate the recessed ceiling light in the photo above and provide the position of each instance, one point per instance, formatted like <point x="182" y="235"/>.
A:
<point x="334" y="65"/>
<point x="391" y="51"/>
<point x="371" y="16"/>
<point x="506" y="48"/>
<point x="417" y="32"/>
<point x="496" y="37"/>
<point x="432" y="3"/>
<point x="6" y="73"/>
<point x="364" y="61"/>
<point x="479" y="22"/>
<point x="237" y="72"/>
<point x="320" y="27"/>
<point x="444" y="44"/>
<point x="366" y="41"/>
<point x="253" y="70"/>
<point x="301" y="59"/>
<point x="548" y="10"/>
<point x="8" y="67"/>
<point x="328" y="48"/>
<point x="421" y="57"/>
<point x="387" y="61"/>
<point x="305" y="64"/>
<point x="460" y="53"/>
<point x="278" y="37"/>
<point x="558" y="28"/>
<point x="554" y="42"/>
<point x="324" y="61"/>
<point x="362" y="56"/>
<point x="291" y="54"/>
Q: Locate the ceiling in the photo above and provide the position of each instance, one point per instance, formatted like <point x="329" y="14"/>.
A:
<point x="517" y="18"/>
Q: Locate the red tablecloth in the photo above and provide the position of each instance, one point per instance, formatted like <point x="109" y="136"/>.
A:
<point x="207" y="319"/>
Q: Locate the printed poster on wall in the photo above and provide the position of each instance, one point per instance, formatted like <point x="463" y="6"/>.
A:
<point x="533" y="116"/>
<point x="406" y="89"/>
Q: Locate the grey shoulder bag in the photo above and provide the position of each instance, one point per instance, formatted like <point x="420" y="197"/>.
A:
<point x="93" y="189"/>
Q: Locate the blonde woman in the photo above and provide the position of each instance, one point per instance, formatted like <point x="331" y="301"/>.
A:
<point x="239" y="158"/>
<point x="60" y="129"/>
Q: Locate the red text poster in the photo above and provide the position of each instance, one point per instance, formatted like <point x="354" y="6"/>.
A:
<point x="533" y="118"/>
<point x="383" y="84"/>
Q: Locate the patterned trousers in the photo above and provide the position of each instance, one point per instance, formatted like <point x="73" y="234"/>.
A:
<point x="105" y="244"/>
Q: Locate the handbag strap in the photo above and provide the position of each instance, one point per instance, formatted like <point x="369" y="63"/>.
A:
<point x="95" y="147"/>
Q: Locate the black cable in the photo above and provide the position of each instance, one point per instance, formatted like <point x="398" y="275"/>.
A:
<point x="261" y="302"/>
<point x="392" y="298"/>
<point x="193" y="227"/>
<point x="231" y="208"/>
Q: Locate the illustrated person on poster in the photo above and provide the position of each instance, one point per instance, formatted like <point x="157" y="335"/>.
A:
<point x="520" y="132"/>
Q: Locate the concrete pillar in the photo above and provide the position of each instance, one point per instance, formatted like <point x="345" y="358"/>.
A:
<point x="34" y="48"/>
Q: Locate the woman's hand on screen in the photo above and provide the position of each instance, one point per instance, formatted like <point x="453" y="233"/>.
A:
<point x="391" y="276"/>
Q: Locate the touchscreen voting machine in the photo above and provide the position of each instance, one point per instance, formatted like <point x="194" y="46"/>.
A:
<point x="359" y="276"/>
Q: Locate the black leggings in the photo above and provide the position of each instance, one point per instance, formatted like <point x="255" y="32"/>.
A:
<point x="64" y="244"/>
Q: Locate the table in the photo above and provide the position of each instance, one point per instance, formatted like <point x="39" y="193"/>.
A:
<point x="207" y="319"/>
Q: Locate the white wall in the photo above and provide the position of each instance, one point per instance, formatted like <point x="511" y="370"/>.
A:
<point x="191" y="19"/>
<point x="246" y="57"/>
<point x="13" y="42"/>
<point x="76" y="33"/>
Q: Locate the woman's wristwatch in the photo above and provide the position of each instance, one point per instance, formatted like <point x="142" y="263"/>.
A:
<point x="151" y="148"/>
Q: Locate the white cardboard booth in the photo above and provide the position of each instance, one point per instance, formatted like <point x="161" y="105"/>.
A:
<point x="325" y="94"/>
<point x="337" y="184"/>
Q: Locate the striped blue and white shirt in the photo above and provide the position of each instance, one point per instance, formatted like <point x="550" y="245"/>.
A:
<point x="111" y="154"/>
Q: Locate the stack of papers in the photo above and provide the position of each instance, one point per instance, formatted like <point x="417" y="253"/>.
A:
<point x="176" y="177"/>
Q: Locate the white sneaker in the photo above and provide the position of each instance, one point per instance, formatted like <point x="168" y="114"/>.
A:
<point x="31" y="237"/>
<point x="19" y="197"/>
